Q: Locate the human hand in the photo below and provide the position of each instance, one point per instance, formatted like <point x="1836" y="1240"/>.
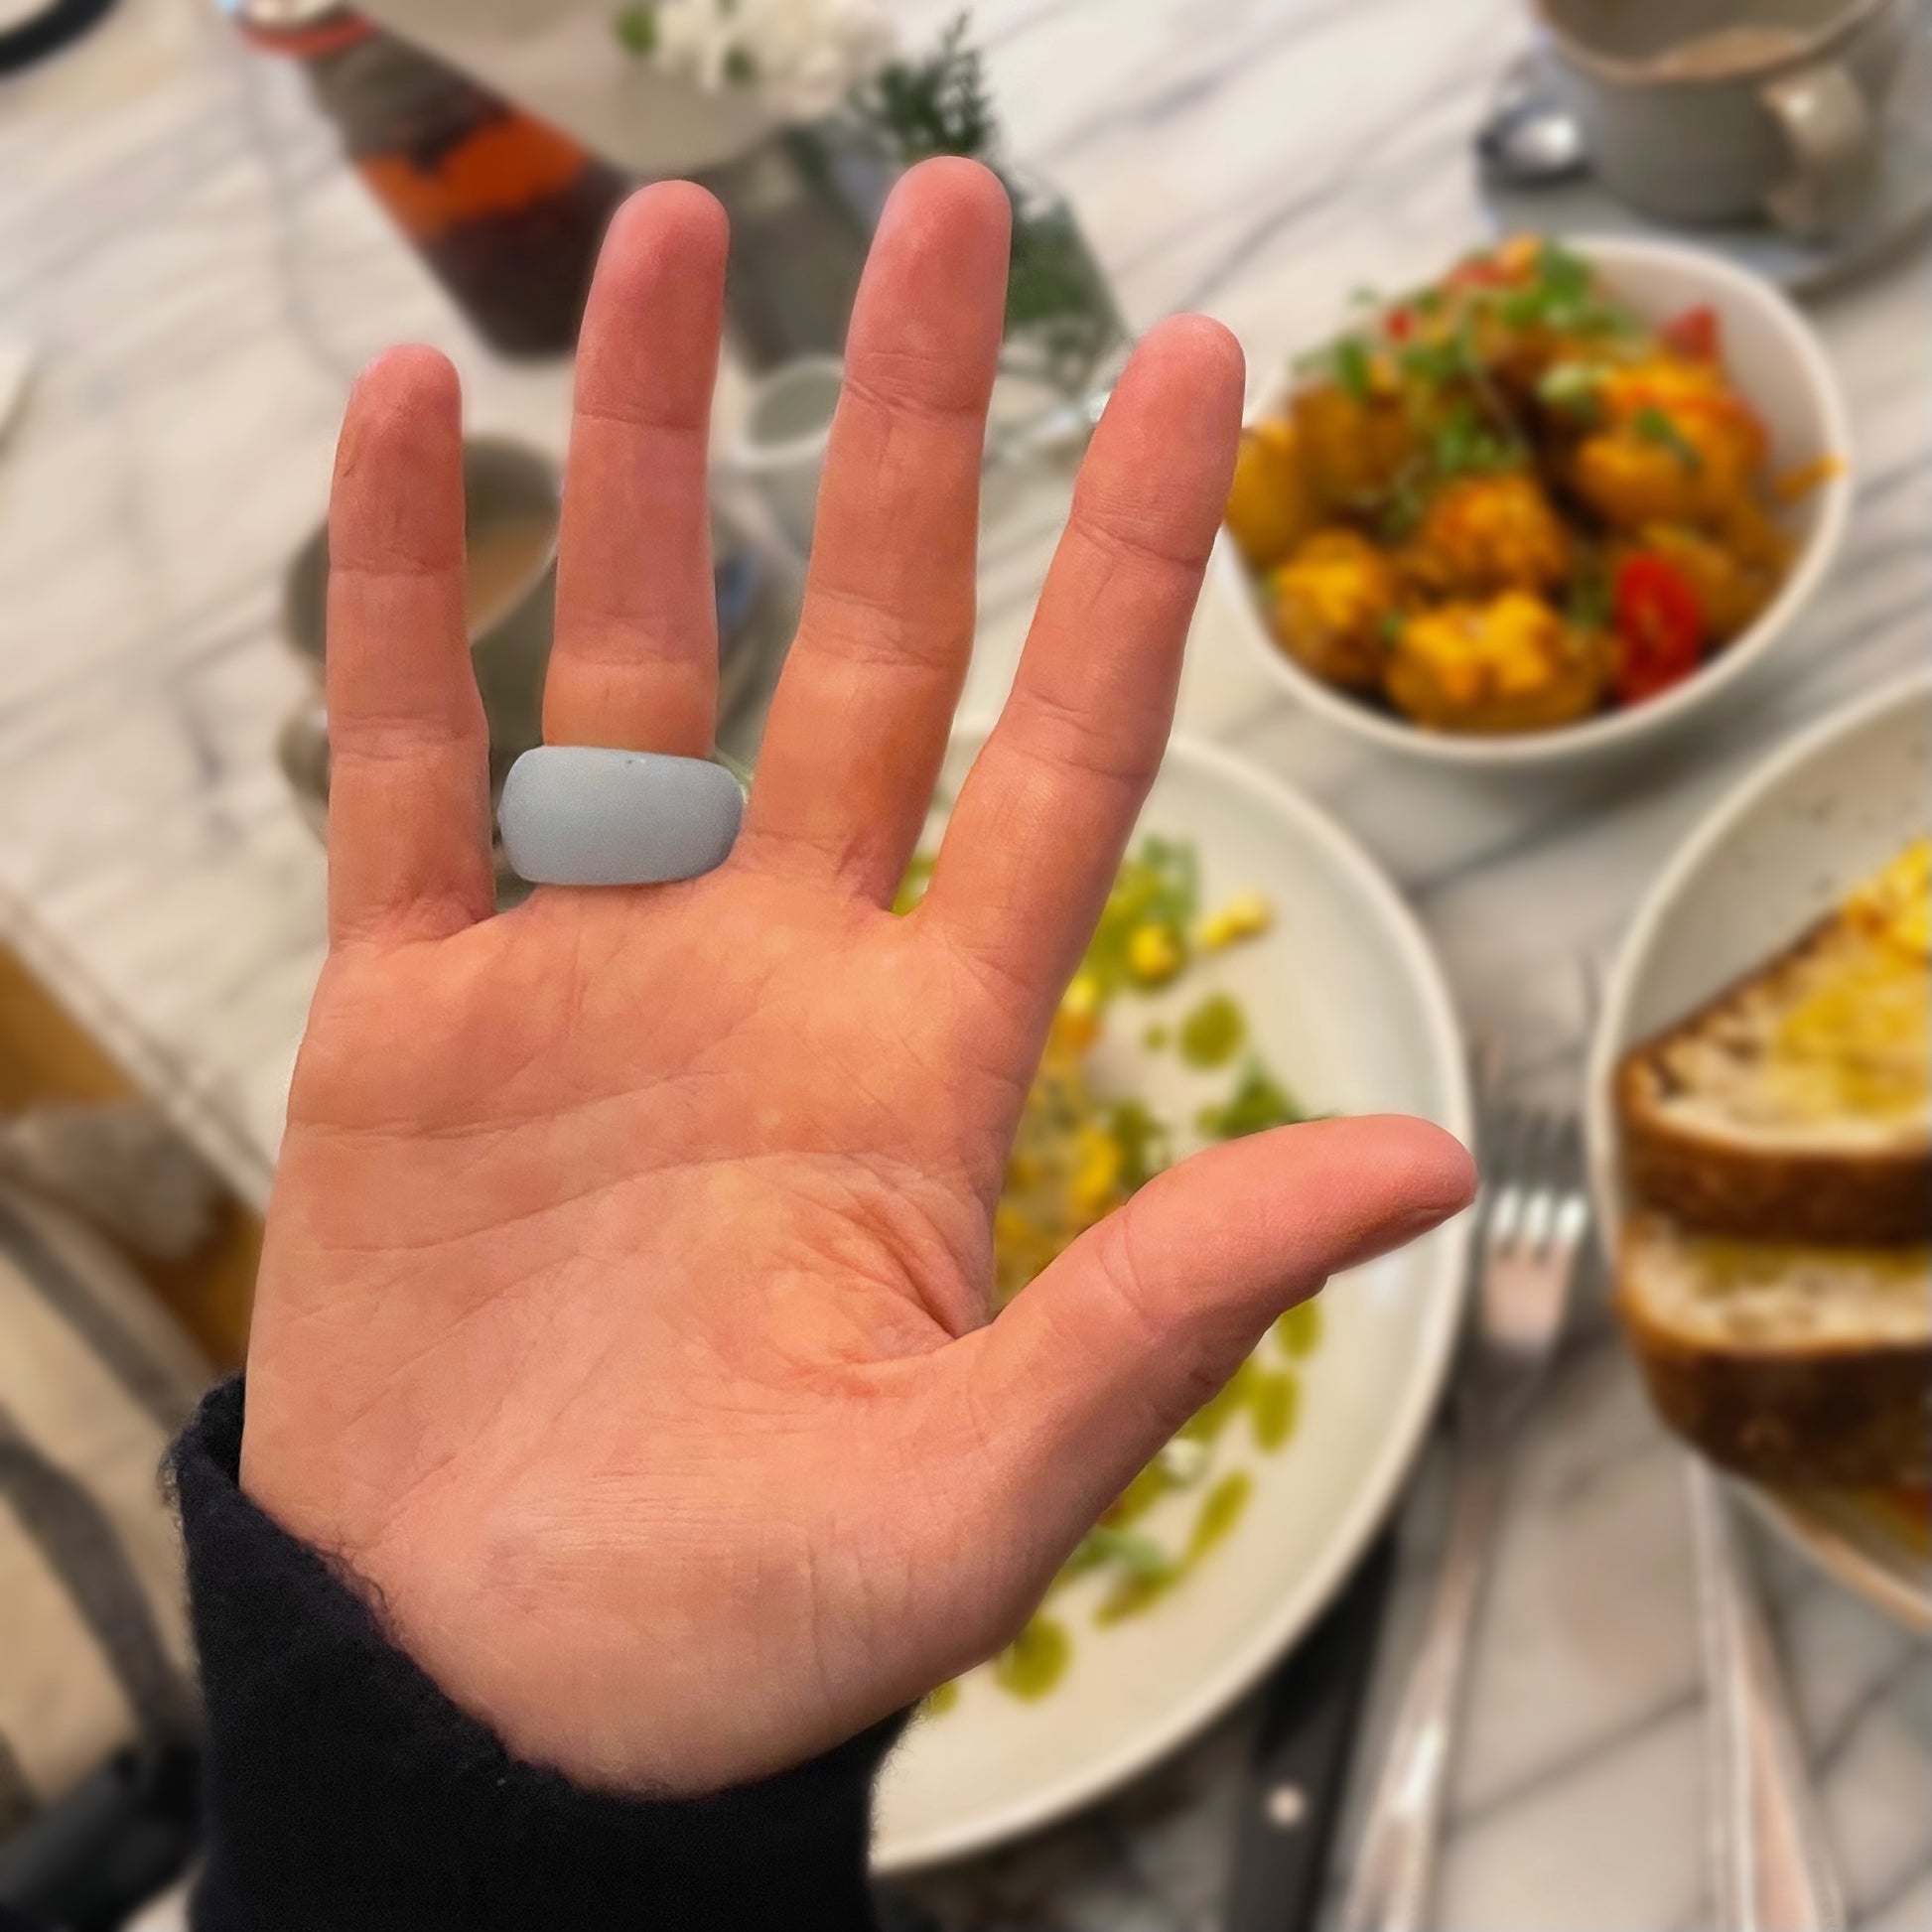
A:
<point x="623" y="1317"/>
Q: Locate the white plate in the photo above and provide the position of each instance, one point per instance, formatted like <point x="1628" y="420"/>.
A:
<point x="1829" y="808"/>
<point x="1348" y="1007"/>
<point x="1780" y="370"/>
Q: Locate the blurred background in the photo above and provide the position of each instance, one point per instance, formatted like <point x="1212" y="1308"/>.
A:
<point x="211" y="216"/>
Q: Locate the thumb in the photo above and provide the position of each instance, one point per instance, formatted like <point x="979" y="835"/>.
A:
<point x="1085" y="1374"/>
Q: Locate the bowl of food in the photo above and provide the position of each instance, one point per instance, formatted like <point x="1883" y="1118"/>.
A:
<point x="1761" y="1142"/>
<point x="1543" y="508"/>
<point x="1252" y="965"/>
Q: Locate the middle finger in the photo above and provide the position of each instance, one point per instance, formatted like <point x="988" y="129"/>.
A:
<point x="859" y="724"/>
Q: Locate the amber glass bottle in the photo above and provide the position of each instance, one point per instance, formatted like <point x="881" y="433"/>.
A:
<point x="506" y="212"/>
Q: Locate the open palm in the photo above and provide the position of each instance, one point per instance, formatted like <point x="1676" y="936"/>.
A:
<point x="623" y="1321"/>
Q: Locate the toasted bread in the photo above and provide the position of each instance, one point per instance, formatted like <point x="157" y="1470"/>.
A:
<point x="1786" y="1363"/>
<point x="1797" y="1106"/>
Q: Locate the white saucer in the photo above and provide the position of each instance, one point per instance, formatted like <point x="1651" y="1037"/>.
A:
<point x="1898" y="209"/>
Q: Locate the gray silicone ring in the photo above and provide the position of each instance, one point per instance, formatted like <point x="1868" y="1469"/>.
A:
<point x="583" y="815"/>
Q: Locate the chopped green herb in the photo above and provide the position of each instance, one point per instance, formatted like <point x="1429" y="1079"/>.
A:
<point x="1388" y="626"/>
<point x="1588" y="606"/>
<point x="1404" y="505"/>
<point x="1654" y="426"/>
<point x="1463" y="445"/>
<point x="1435" y="363"/>
<point x="1563" y="275"/>
<point x="740" y="68"/>
<point x="1134" y="1550"/>
<point x="1353" y="368"/>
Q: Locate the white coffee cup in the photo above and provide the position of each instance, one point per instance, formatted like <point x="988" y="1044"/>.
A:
<point x="1717" y="110"/>
<point x="779" y="447"/>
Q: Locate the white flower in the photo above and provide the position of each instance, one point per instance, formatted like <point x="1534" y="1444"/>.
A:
<point x="801" y="57"/>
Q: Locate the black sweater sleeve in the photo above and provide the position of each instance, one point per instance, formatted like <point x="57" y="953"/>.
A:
<point x="347" y="1794"/>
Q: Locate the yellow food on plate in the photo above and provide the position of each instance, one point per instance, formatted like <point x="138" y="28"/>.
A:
<point x="1089" y="1138"/>
<point x="1330" y="606"/>
<point x="1895" y="905"/>
<point x="1509" y="665"/>
<point x="1505" y="503"/>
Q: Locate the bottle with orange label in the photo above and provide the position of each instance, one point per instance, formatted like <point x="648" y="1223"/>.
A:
<point x="506" y="212"/>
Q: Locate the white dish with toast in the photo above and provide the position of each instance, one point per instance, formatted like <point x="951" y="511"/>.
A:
<point x="1772" y="1267"/>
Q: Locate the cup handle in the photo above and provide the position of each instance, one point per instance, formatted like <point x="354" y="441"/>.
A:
<point x="1827" y="127"/>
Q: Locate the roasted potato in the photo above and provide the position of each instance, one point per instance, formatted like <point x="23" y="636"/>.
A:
<point x="1328" y="606"/>
<point x="1512" y="664"/>
<point x="1483" y="534"/>
<point x="1677" y="446"/>
<point x="1352" y="449"/>
<point x="1271" y="507"/>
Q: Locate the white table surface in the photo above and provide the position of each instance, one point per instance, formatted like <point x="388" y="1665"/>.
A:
<point x="201" y="276"/>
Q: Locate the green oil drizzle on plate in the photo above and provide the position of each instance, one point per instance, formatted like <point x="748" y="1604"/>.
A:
<point x="1275" y="1406"/>
<point x="1035" y="1660"/>
<point x="1299" y="1330"/>
<point x="1213" y="1033"/>
<point x="1221" y="1510"/>
<point x="1207" y="1422"/>
<point x="1142" y="1573"/>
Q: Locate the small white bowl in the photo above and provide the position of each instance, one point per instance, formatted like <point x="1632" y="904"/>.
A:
<point x="1779" y="367"/>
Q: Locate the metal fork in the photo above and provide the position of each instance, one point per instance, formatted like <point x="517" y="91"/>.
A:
<point x="1535" y="1214"/>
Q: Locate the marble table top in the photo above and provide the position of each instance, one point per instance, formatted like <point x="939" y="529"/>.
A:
<point x="201" y="276"/>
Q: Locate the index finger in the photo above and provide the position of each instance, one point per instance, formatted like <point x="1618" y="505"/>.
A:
<point x="1036" y="835"/>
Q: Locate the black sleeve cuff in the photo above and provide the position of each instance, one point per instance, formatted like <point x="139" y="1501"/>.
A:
<point x="347" y="1794"/>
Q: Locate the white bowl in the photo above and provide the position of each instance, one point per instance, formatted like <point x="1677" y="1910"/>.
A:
<point x="1347" y="1005"/>
<point x="1827" y="809"/>
<point x="1780" y="370"/>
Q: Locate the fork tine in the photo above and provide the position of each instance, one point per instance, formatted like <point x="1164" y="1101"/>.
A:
<point x="1571" y="1222"/>
<point x="1538" y="1213"/>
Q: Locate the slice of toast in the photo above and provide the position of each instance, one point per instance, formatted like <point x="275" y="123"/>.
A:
<point x="1787" y="1363"/>
<point x="1797" y="1106"/>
